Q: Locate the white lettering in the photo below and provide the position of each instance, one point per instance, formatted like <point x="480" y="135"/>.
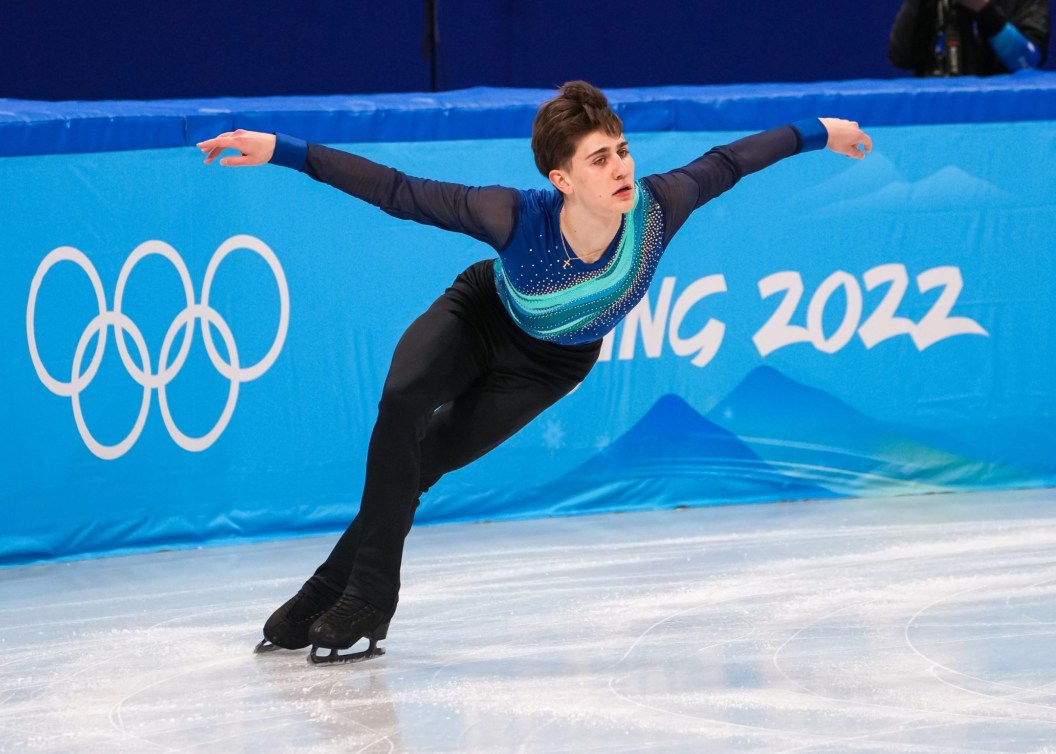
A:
<point x="937" y="323"/>
<point x="651" y="324"/>
<point x="882" y="324"/>
<point x="705" y="344"/>
<point x="778" y="331"/>
<point x="852" y="316"/>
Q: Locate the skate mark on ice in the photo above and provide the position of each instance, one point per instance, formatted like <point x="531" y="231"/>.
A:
<point x="958" y="748"/>
<point x="847" y="700"/>
<point x="986" y="699"/>
<point x="372" y="744"/>
<point x="531" y="734"/>
<point x="759" y="729"/>
<point x="209" y="745"/>
<point x="755" y="583"/>
<point x="695" y="608"/>
<point x="935" y="664"/>
<point x="920" y="714"/>
<point x="116" y="712"/>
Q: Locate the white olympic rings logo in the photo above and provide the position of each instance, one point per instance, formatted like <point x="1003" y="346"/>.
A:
<point x="166" y="371"/>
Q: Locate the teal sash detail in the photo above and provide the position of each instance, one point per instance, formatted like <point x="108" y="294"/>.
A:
<point x="553" y="315"/>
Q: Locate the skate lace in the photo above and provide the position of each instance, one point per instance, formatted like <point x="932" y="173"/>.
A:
<point x="312" y="601"/>
<point x="316" y="592"/>
<point x="351" y="610"/>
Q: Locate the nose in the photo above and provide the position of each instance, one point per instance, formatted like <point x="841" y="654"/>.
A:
<point x="620" y="166"/>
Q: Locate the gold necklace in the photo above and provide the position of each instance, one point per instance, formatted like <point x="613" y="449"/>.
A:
<point x="568" y="260"/>
<point x="564" y="244"/>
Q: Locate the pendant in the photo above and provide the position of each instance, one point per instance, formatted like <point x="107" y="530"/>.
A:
<point x="567" y="263"/>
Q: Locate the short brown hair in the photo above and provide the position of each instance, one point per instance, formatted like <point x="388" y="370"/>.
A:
<point x="578" y="109"/>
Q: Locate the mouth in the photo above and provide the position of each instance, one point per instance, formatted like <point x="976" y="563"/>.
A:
<point x="623" y="192"/>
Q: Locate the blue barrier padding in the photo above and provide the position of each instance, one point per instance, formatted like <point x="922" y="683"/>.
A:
<point x="32" y="128"/>
<point x="872" y="331"/>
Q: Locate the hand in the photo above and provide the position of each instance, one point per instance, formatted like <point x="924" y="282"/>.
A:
<point x="974" y="5"/>
<point x="253" y="147"/>
<point x="846" y="138"/>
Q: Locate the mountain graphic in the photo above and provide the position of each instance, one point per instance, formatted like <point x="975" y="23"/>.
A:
<point x="878" y="185"/>
<point x="810" y="435"/>
<point x="948" y="189"/>
<point x="771" y="438"/>
<point x="672" y="456"/>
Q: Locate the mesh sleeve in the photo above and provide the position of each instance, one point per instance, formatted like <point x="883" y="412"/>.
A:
<point x="487" y="213"/>
<point x="681" y="191"/>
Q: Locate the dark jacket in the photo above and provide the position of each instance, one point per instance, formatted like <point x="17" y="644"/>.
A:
<point x="914" y="35"/>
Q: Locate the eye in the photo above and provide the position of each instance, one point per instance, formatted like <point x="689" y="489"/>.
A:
<point x="599" y="161"/>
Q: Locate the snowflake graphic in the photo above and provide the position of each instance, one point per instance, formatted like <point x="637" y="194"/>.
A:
<point x="554" y="434"/>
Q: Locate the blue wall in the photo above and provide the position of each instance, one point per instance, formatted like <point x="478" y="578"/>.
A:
<point x="624" y="43"/>
<point x="829" y="328"/>
<point x="119" y="49"/>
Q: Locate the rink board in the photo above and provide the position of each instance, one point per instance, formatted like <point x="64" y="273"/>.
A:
<point x="829" y="328"/>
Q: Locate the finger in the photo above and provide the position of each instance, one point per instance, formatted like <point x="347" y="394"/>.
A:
<point x="215" y="148"/>
<point x="234" y="162"/>
<point x="210" y="143"/>
<point x="218" y="145"/>
<point x="867" y="142"/>
<point x="225" y="133"/>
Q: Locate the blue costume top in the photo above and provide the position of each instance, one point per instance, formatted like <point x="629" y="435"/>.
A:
<point x="547" y="290"/>
<point x="554" y="295"/>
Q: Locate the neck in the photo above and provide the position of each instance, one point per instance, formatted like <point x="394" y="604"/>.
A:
<point x="588" y="234"/>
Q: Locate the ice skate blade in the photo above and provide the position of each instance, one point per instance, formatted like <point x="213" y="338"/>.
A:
<point x="334" y="658"/>
<point x="265" y="646"/>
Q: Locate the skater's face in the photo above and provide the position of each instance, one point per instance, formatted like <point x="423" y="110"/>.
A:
<point x="600" y="174"/>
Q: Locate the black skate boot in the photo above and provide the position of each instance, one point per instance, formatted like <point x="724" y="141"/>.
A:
<point x="287" y="628"/>
<point x="348" y="621"/>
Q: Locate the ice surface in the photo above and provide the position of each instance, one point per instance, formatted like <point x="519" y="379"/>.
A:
<point x="897" y="625"/>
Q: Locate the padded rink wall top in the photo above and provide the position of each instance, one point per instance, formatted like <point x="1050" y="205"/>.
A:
<point x="29" y="127"/>
<point x="828" y="328"/>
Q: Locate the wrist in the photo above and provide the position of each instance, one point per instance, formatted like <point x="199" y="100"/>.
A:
<point x="813" y="134"/>
<point x="289" y="152"/>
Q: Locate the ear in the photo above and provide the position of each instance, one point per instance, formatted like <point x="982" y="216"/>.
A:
<point x="560" y="180"/>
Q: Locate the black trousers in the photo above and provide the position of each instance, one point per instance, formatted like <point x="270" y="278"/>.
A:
<point x="463" y="379"/>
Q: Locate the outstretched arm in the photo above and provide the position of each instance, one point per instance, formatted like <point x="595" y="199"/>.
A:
<point x="683" y="190"/>
<point x="488" y="214"/>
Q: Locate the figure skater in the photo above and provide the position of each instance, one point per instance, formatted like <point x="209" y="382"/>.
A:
<point x="513" y="334"/>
